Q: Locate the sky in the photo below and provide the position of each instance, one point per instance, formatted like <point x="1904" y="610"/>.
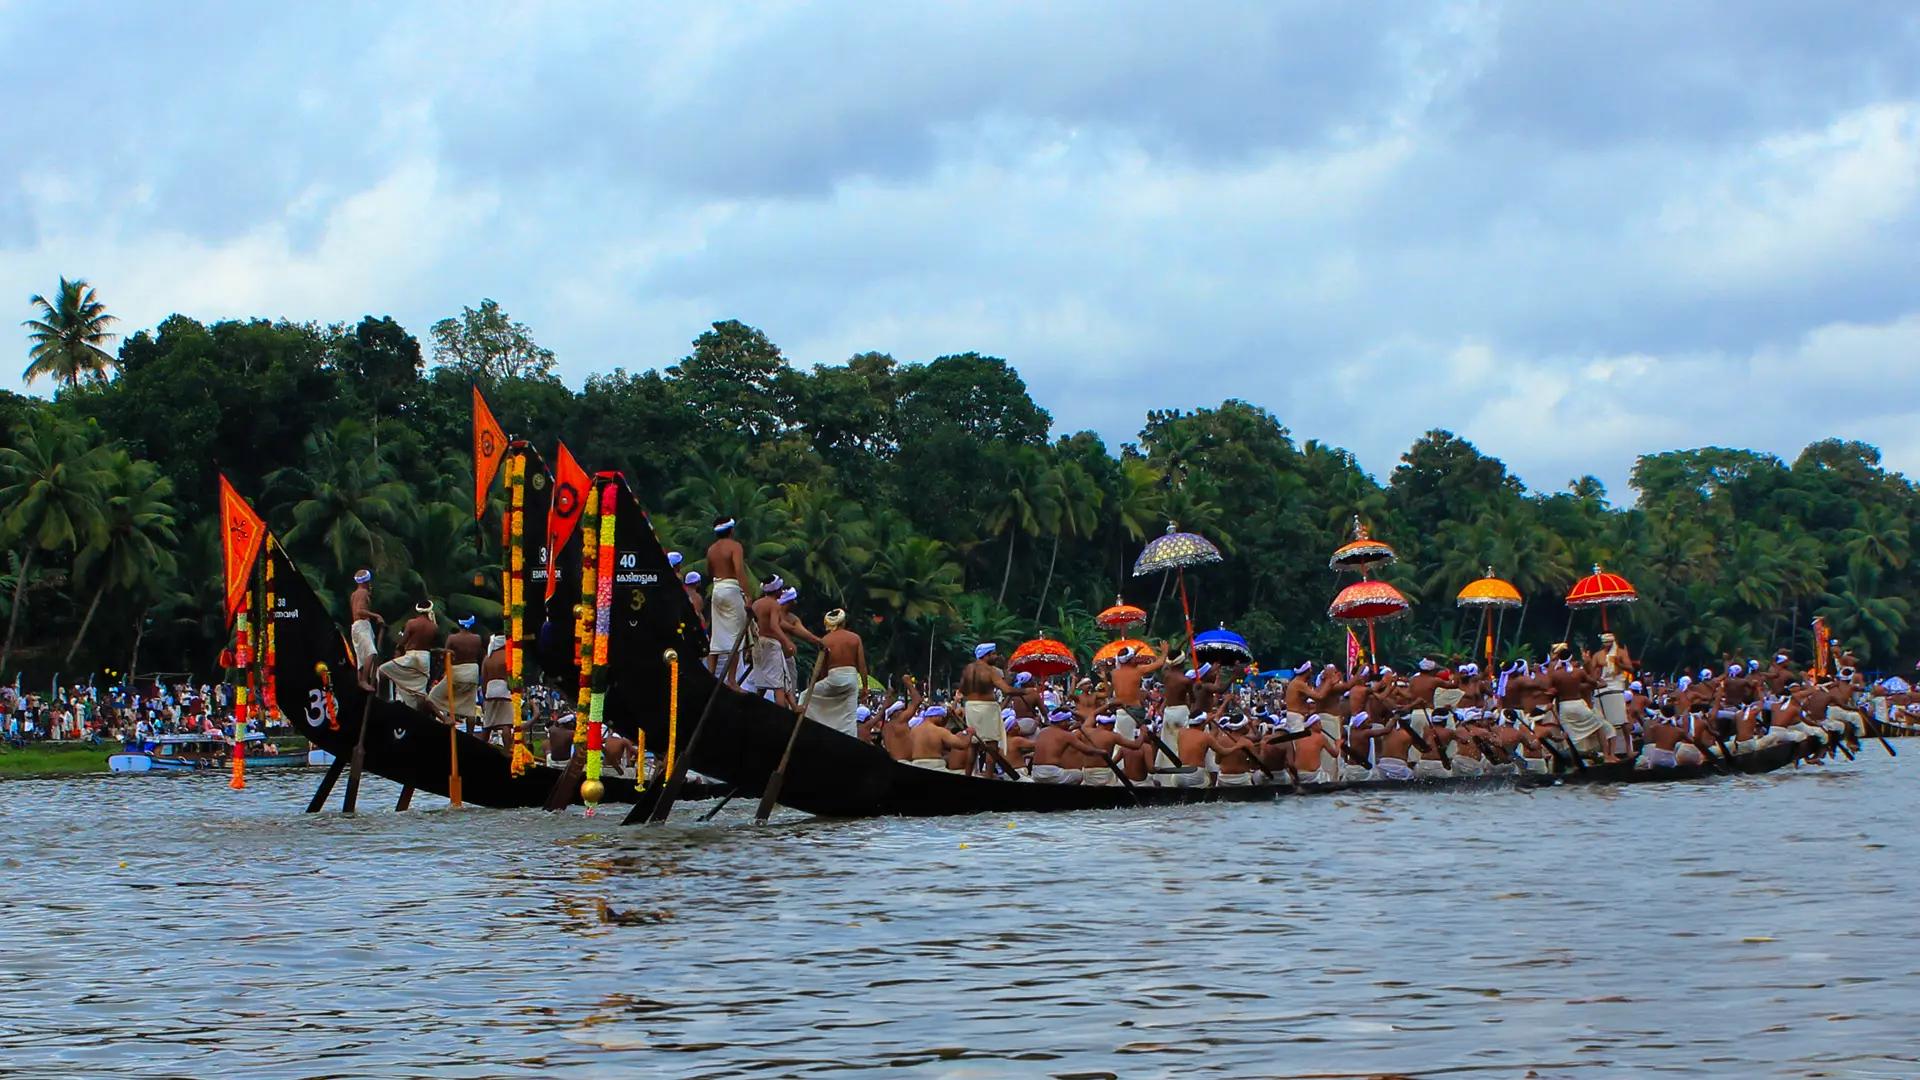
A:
<point x="1571" y="233"/>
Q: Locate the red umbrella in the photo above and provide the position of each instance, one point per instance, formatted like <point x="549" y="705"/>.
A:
<point x="1601" y="589"/>
<point x="1368" y="602"/>
<point x="1043" y="658"/>
<point x="1121" y="615"/>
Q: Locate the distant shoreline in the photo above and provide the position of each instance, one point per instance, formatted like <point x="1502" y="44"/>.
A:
<point x="54" y="759"/>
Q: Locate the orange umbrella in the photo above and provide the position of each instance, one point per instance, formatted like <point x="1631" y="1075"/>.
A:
<point x="1111" y="650"/>
<point x="1121" y="615"/>
<point x="1601" y="589"/>
<point x="1487" y="594"/>
<point x="1363" y="552"/>
<point x="1043" y="658"/>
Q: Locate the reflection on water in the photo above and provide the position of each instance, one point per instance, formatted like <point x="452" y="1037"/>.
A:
<point x="1740" y="927"/>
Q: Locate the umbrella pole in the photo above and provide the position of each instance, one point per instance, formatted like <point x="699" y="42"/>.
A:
<point x="1373" y="647"/>
<point x="1603" y="618"/>
<point x="1185" y="610"/>
<point x="1486" y="630"/>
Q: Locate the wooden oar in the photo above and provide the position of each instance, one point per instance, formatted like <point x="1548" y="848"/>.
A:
<point x="670" y="790"/>
<point x="993" y="753"/>
<point x="1124" y="780"/>
<point x="325" y="789"/>
<point x="359" y="756"/>
<point x="1872" y="724"/>
<point x="731" y="792"/>
<point x="453" y="737"/>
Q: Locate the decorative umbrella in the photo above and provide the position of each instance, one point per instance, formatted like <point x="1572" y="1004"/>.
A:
<point x="1175" y="550"/>
<point x="1601" y="589"/>
<point x="1043" y="658"/>
<point x="1111" y="650"/>
<point x="1121" y="615"/>
<point x="1368" y="602"/>
<point x="1223" y="646"/>
<point x="1488" y="594"/>
<point x="1362" y="553"/>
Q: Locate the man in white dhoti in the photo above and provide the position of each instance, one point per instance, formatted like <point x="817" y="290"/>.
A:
<point x="770" y="675"/>
<point x="496" y="707"/>
<point x="839" y="676"/>
<point x="981" y="683"/>
<point x="366" y="646"/>
<point x="410" y="671"/>
<point x="727" y="606"/>
<point x="463" y="668"/>
<point x="1585" y="728"/>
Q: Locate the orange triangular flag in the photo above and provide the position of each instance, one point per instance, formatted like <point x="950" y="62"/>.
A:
<point x="241" y="534"/>
<point x="489" y="449"/>
<point x="563" y="512"/>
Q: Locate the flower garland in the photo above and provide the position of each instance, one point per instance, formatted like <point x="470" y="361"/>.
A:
<point x="602" y="627"/>
<point x="513" y="593"/>
<point x="583" y="611"/>
<point x="270" y="702"/>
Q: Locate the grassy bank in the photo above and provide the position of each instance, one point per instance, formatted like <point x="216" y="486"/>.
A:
<point x="54" y="760"/>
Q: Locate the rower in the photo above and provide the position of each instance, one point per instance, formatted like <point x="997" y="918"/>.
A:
<point x="929" y="744"/>
<point x="1232" y="753"/>
<point x="691" y="586"/>
<point x="1107" y="740"/>
<point x="1669" y="744"/>
<point x="727" y="566"/>
<point x="412" y="665"/>
<point x="366" y="644"/>
<point x="496" y="709"/>
<point x="772" y="647"/>
<point x="1058" y="750"/>
<point x="1312" y="754"/>
<point x="464" y="648"/>
<point x="1129" y="675"/>
<point x="981" y="683"/>
<point x="839" y="676"/>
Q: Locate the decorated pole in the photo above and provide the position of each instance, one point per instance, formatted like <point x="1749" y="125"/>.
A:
<point x="591" y="789"/>
<point x="513" y="601"/>
<point x="243" y="662"/>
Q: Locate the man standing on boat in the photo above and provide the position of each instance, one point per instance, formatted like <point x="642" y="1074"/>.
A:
<point x="1129" y="676"/>
<point x="981" y="683"/>
<point x="464" y="650"/>
<point x="771" y="647"/>
<point x="366" y="644"/>
<point x="410" y="670"/>
<point x="840" y="673"/>
<point x="1614" y="666"/>
<point x="727" y="566"/>
<point x="1583" y="725"/>
<point x="496" y="710"/>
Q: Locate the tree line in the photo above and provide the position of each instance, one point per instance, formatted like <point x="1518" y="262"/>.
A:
<point x="931" y="499"/>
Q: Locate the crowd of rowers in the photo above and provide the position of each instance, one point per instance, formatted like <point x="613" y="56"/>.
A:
<point x="1158" y="718"/>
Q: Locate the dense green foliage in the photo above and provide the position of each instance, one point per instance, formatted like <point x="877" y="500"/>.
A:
<point x="930" y="499"/>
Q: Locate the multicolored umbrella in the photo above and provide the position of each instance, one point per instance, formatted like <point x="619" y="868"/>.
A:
<point x="1121" y="615"/>
<point x="1222" y="646"/>
<point x="1175" y="550"/>
<point x="1601" y="589"/>
<point x="1043" y="658"/>
<point x="1361" y="553"/>
<point x="1112" y="649"/>
<point x="1487" y="594"/>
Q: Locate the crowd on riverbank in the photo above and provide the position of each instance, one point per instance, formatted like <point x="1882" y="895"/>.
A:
<point x="114" y="713"/>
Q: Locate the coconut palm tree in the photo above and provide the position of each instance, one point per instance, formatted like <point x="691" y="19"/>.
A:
<point x="1075" y="500"/>
<point x="70" y="336"/>
<point x="915" y="582"/>
<point x="1016" y="508"/>
<point x="134" y="549"/>
<point x="345" y="498"/>
<point x="50" y="480"/>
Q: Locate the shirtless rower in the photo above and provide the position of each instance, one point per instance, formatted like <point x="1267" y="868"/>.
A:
<point x="930" y="745"/>
<point x="1234" y="753"/>
<point x="980" y="684"/>
<point x="465" y="647"/>
<point x="727" y="566"/>
<point x="1670" y="742"/>
<point x="1573" y="708"/>
<point x="1129" y="675"/>
<point x="1107" y="740"/>
<point x="1058" y="750"/>
<point x="1313" y="756"/>
<point x="366" y="642"/>
<point x="691" y="586"/>
<point x="1177" y="707"/>
<point x="894" y="719"/>
<point x="839" y="676"/>
<point x="1200" y="744"/>
<point x="772" y="647"/>
<point x="496" y="709"/>
<point x="412" y="664"/>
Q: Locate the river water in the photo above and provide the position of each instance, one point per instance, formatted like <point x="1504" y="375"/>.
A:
<point x="158" y="926"/>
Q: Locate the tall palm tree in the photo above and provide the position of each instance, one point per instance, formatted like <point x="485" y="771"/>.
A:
<point x="1015" y="510"/>
<point x="914" y="580"/>
<point x="134" y="549"/>
<point x="345" y="498"/>
<point x="70" y="336"/>
<point x="1076" y="502"/>
<point x="50" y="479"/>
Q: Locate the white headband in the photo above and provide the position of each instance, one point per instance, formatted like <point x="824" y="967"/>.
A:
<point x="723" y="526"/>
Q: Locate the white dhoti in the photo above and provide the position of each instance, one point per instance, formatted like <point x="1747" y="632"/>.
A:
<point x="1242" y="779"/>
<point x="1125" y="723"/>
<point x="931" y="764"/>
<point x="1689" y="755"/>
<point x="497" y="710"/>
<point x="769" y="667"/>
<point x="1430" y="769"/>
<point x="833" y="701"/>
<point x="727" y="610"/>
<point x="1652" y="757"/>
<point x="1469" y="766"/>
<point x="1054" y="774"/>
<point x="466" y="691"/>
<point x="983" y="718"/>
<point x="1173" y="721"/>
<point x="1323" y="775"/>
<point x="408" y="673"/>
<point x="1389" y="768"/>
<point x="1187" y="776"/>
<point x="1448" y="697"/>
<point x="1849" y="721"/>
<point x="1584" y="726"/>
<point x="365" y="649"/>
<point x="1351" y="773"/>
<point x="1098" y="776"/>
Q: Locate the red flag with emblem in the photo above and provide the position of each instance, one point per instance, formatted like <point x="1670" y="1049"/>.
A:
<point x="563" y="511"/>
<point x="489" y="449"/>
<point x="1353" y="653"/>
<point x="241" y="534"/>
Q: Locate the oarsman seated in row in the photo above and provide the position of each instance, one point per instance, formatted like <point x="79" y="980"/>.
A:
<point x="1520" y="743"/>
<point x="930" y="745"/>
<point x="1312" y="756"/>
<point x="412" y="665"/>
<point x="1059" y="751"/>
<point x="1669" y="744"/>
<point x="1104" y="735"/>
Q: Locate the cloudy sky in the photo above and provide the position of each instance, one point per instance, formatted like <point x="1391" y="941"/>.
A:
<point x="1572" y="233"/>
